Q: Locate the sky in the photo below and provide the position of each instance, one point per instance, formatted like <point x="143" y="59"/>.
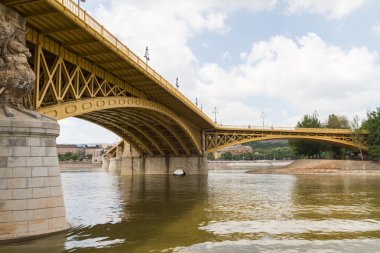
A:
<point x="279" y="58"/>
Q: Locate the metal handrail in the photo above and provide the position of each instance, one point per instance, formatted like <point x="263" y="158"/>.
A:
<point x="271" y="128"/>
<point x="77" y="11"/>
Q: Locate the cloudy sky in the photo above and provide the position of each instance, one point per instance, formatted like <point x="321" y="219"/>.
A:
<point x="285" y="58"/>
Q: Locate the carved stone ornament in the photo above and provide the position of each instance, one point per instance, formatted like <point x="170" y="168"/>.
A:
<point x="16" y="76"/>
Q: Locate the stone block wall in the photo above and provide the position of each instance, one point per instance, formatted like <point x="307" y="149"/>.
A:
<point x="31" y="197"/>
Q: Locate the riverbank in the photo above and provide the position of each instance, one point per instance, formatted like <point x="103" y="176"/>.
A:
<point x="79" y="165"/>
<point x="239" y="165"/>
<point x="324" y="167"/>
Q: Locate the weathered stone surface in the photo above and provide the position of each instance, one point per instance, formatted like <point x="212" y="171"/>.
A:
<point x="40" y="171"/>
<point x="22" y="193"/>
<point x="56" y="191"/>
<point x="33" y="142"/>
<point x="14" y="161"/>
<point x="36" y="203"/>
<point x="6" y="150"/>
<point x="24" y="215"/>
<point x="38" y="151"/>
<point x="22" y="172"/>
<point x="36" y="182"/>
<point x="17" y="204"/>
<point x="3" y="183"/>
<point x="31" y="196"/>
<point x="3" y="161"/>
<point x="16" y="75"/>
<point x="16" y="183"/>
<point x="17" y="141"/>
<point x="5" y="172"/>
<point x="5" y="194"/>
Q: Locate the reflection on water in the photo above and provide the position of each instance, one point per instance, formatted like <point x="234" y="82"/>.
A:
<point x="224" y="212"/>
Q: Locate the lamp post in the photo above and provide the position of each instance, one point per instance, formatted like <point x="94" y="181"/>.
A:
<point x="263" y="116"/>
<point x="146" y="56"/>
<point x="215" y="112"/>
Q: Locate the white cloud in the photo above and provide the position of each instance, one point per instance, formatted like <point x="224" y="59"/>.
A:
<point x="333" y="9"/>
<point x="307" y="73"/>
<point x="167" y="26"/>
<point x="79" y="131"/>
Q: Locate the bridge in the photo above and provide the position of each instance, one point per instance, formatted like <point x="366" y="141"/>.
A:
<point x="79" y="69"/>
<point x="83" y="71"/>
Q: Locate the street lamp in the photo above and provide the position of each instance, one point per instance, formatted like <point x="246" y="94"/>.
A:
<point x="263" y="116"/>
<point x="215" y="112"/>
<point x="146" y="56"/>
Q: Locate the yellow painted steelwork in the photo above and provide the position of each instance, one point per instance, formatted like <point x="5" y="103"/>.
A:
<point x="83" y="71"/>
<point x="224" y="137"/>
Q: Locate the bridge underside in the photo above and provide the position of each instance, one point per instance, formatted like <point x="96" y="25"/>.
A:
<point x="148" y="132"/>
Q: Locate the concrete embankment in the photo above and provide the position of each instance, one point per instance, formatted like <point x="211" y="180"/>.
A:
<point x="324" y="167"/>
<point x="78" y="165"/>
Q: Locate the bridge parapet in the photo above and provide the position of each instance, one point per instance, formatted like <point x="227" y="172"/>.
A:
<point x="271" y="128"/>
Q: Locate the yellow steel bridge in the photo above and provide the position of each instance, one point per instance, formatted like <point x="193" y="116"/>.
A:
<point x="84" y="71"/>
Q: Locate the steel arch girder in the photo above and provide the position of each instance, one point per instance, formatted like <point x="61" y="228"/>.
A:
<point x="82" y="106"/>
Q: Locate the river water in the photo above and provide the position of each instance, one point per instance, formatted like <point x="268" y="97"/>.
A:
<point x="226" y="211"/>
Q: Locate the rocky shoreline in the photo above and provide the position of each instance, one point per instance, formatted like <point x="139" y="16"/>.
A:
<point x="324" y="167"/>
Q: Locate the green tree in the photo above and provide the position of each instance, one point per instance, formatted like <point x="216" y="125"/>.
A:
<point x="308" y="148"/>
<point x="210" y="156"/>
<point x="337" y="122"/>
<point x="226" y="156"/>
<point x="372" y="125"/>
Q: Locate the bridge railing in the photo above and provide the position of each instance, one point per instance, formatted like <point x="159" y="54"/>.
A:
<point x="272" y="128"/>
<point x="91" y="22"/>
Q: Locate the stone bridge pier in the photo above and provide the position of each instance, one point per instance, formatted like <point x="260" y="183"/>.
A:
<point x="31" y="198"/>
<point x="131" y="162"/>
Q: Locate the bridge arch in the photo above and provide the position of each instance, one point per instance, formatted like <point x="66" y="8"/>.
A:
<point x="149" y="127"/>
<point x="213" y="144"/>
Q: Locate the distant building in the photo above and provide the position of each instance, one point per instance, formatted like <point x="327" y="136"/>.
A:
<point x="83" y="150"/>
<point x="235" y="150"/>
<point x="66" y="148"/>
<point x="95" y="151"/>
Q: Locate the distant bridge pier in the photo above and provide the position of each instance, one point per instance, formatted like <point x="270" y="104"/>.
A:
<point x="131" y="162"/>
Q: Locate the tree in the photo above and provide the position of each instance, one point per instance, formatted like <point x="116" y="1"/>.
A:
<point x="337" y="122"/>
<point x="226" y="156"/>
<point x="210" y="156"/>
<point x="308" y="148"/>
<point x="372" y="125"/>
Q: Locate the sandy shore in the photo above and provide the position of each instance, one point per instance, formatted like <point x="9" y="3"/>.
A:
<point x="324" y="167"/>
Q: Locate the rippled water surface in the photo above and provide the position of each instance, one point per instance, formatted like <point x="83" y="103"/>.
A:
<point x="226" y="211"/>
